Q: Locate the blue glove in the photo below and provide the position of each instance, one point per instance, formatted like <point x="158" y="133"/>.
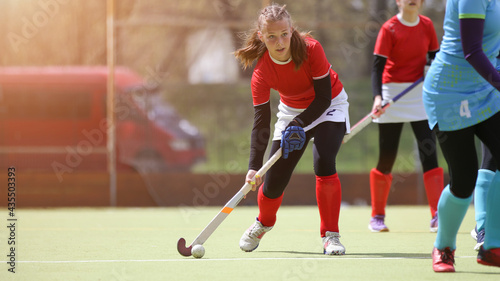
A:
<point x="292" y="138"/>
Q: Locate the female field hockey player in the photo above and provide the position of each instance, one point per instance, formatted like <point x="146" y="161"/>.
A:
<point x="462" y="100"/>
<point x="313" y="103"/>
<point x="404" y="44"/>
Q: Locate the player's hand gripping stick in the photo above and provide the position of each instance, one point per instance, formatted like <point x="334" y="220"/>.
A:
<point x="226" y="210"/>
<point x="368" y="118"/>
<point x="292" y="138"/>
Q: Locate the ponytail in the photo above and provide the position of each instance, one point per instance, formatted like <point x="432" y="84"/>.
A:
<point x="298" y="47"/>
<point x="252" y="50"/>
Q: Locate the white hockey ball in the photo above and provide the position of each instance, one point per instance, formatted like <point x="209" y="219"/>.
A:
<point x="198" y="251"/>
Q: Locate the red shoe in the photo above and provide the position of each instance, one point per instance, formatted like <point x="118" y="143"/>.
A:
<point x="443" y="260"/>
<point x="489" y="257"/>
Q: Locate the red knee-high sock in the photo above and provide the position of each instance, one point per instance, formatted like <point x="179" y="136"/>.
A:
<point x="380" y="184"/>
<point x="329" y="197"/>
<point x="434" y="184"/>
<point x="268" y="208"/>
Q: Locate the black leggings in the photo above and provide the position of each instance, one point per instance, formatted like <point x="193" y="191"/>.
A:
<point x="389" y="136"/>
<point x="328" y="137"/>
<point x="460" y="152"/>
<point x="488" y="163"/>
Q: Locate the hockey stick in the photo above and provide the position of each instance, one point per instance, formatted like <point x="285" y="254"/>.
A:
<point x="226" y="210"/>
<point x="368" y="118"/>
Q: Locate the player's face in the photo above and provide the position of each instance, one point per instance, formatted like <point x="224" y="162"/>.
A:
<point x="276" y="35"/>
<point x="409" y="5"/>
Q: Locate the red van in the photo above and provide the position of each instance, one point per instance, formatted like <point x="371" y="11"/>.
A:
<point x="54" y="118"/>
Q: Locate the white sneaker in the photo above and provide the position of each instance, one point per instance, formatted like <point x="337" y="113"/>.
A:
<point x="332" y="245"/>
<point x="478" y="236"/>
<point x="251" y="238"/>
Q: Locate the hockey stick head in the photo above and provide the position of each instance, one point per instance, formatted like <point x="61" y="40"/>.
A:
<point x="181" y="247"/>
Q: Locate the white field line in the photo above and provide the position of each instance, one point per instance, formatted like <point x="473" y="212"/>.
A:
<point x="238" y="259"/>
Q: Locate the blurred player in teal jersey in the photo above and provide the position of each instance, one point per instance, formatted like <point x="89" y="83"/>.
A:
<point x="462" y="100"/>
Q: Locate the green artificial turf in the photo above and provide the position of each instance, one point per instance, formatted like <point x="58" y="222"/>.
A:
<point x="140" y="244"/>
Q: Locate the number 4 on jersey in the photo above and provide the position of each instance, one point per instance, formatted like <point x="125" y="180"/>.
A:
<point x="464" y="109"/>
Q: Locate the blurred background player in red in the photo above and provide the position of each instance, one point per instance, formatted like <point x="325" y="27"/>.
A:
<point x="404" y="45"/>
<point x="313" y="103"/>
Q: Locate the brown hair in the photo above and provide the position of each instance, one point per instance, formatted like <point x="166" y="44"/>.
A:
<point x="253" y="48"/>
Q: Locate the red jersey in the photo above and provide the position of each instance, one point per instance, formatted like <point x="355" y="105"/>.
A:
<point x="405" y="48"/>
<point x="295" y="87"/>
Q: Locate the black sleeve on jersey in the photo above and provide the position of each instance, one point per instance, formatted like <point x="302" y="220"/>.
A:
<point x="431" y="56"/>
<point x="471" y="33"/>
<point x="322" y="100"/>
<point x="260" y="135"/>
<point x="377" y="70"/>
